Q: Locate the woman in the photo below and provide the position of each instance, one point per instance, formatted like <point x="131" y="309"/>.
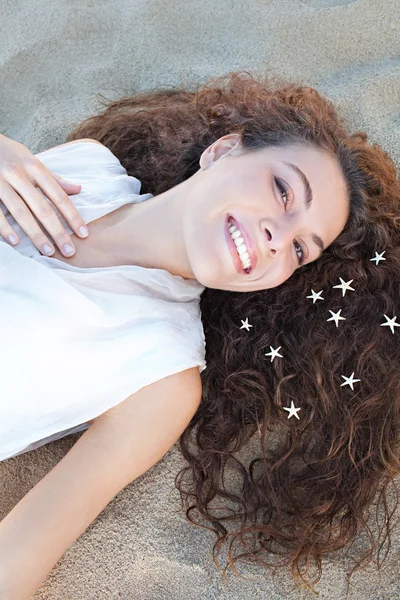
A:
<point x="272" y="166"/>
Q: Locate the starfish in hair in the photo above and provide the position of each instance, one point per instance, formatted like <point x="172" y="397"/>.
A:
<point x="344" y="286"/>
<point x="378" y="257"/>
<point x="292" y="411"/>
<point x="316" y="296"/>
<point x="349" y="381"/>
<point x="390" y="323"/>
<point x="274" y="353"/>
<point x="336" y="317"/>
<point x="245" y="324"/>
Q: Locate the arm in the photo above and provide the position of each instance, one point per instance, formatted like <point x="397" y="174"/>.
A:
<point x="121" y="444"/>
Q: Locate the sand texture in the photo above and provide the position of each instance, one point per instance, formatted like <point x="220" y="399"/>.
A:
<point x="55" y="57"/>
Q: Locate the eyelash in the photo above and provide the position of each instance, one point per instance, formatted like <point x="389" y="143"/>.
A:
<point x="282" y="187"/>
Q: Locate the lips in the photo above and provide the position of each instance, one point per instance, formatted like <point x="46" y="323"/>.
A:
<point x="249" y="245"/>
<point x="235" y="257"/>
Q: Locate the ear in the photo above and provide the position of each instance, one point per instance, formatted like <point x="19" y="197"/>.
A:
<point x="224" y="146"/>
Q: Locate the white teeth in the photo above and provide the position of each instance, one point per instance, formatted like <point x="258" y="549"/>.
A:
<point x="240" y="246"/>
<point x="239" y="241"/>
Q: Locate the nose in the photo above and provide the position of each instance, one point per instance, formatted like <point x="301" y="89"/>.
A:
<point x="271" y="250"/>
<point x="277" y="240"/>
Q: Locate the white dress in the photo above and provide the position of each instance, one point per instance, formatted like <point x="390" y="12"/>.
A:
<point x="77" y="341"/>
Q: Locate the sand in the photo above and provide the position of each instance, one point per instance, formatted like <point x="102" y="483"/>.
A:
<point x="56" y="55"/>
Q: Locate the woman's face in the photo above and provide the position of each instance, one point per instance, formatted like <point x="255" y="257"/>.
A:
<point x="282" y="222"/>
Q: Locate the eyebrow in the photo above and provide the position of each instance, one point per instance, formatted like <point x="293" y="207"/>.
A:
<point x="317" y="240"/>
<point x="307" y="188"/>
<point x="308" y="199"/>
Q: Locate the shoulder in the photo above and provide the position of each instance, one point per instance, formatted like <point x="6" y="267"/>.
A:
<point x="181" y="390"/>
<point x="83" y="140"/>
<point x="95" y="167"/>
<point x="139" y="431"/>
<point x="82" y="158"/>
<point x="83" y="147"/>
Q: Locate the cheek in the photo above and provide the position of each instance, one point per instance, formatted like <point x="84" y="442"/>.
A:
<point x="330" y="222"/>
<point x="278" y="274"/>
<point x="284" y="275"/>
<point x="205" y="247"/>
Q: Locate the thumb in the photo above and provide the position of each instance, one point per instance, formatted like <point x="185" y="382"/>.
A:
<point x="67" y="186"/>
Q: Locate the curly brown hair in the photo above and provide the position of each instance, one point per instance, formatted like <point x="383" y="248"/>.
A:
<point x="309" y="490"/>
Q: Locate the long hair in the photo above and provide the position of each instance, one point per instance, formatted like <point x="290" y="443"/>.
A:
<point x="309" y="488"/>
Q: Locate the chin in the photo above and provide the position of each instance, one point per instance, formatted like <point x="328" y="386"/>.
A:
<point x="204" y="276"/>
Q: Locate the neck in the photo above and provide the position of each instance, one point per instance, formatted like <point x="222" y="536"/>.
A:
<point x="150" y="234"/>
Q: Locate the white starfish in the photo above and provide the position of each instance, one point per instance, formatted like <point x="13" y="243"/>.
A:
<point x="390" y="323"/>
<point x="349" y="381"/>
<point x="345" y="285"/>
<point x="292" y="411"/>
<point x="274" y="353"/>
<point x="336" y="317"/>
<point x="378" y="257"/>
<point x="245" y="324"/>
<point x="316" y="296"/>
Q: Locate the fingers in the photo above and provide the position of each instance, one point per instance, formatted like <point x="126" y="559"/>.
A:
<point x="7" y="232"/>
<point x="19" y="194"/>
<point x="21" y="213"/>
<point x="51" y="189"/>
<point x="67" y="186"/>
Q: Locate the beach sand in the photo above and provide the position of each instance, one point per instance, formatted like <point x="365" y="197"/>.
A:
<point x="56" y="56"/>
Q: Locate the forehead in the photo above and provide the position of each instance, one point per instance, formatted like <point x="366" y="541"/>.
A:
<point x="313" y="160"/>
<point x="321" y="168"/>
<point x="329" y="210"/>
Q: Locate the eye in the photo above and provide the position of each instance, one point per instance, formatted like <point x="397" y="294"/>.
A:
<point x="282" y="188"/>
<point x="299" y="251"/>
<point x="285" y="197"/>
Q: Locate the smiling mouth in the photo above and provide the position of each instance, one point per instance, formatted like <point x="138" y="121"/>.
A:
<point x="242" y="252"/>
<point x="240" y="245"/>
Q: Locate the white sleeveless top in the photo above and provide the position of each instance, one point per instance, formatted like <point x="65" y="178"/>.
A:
<point x="75" y="342"/>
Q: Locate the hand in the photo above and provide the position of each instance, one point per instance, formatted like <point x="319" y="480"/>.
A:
<point x="21" y="173"/>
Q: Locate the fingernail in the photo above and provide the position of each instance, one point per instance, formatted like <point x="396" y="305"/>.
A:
<point x="83" y="231"/>
<point x="68" y="249"/>
<point x="47" y="249"/>
<point x="12" y="239"/>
